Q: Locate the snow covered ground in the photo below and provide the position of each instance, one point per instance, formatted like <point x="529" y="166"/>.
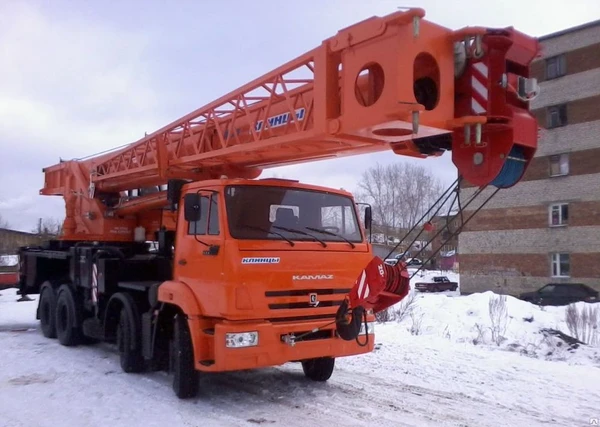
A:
<point x="425" y="371"/>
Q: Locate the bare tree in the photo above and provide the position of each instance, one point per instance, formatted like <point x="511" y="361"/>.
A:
<point x="3" y="222"/>
<point x="4" y="244"/>
<point x="48" y="227"/>
<point x="399" y="193"/>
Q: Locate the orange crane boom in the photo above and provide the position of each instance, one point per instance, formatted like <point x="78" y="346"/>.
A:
<point x="396" y="83"/>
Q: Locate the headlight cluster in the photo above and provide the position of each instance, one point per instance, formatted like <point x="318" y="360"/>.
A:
<point x="241" y="339"/>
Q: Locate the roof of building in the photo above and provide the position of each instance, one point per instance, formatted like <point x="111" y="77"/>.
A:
<point x="570" y="30"/>
<point x="23" y="233"/>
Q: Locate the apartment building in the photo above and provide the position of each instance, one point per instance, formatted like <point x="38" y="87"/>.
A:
<point x="547" y="227"/>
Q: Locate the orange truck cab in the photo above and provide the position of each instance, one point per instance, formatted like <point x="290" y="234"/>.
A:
<point x="263" y="262"/>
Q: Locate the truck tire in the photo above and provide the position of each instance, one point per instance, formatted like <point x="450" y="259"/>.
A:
<point x="319" y="369"/>
<point x="131" y="358"/>
<point x="67" y="332"/>
<point x="181" y="360"/>
<point x="47" y="311"/>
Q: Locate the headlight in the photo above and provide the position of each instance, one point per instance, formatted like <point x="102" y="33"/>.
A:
<point x="370" y="328"/>
<point x="241" y="339"/>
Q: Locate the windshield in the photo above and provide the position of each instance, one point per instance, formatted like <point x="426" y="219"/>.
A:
<point x="279" y="213"/>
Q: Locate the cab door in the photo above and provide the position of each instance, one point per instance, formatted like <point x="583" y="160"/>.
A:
<point x="200" y="241"/>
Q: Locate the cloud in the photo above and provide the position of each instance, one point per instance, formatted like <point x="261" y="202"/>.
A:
<point x="65" y="91"/>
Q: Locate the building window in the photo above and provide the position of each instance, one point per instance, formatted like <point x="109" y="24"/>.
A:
<point x="556" y="116"/>
<point x="559" y="214"/>
<point x="555" y="67"/>
<point x="561" y="264"/>
<point x="559" y="165"/>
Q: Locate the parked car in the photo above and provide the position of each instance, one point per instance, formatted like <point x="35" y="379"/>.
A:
<point x="414" y="262"/>
<point x="437" y="284"/>
<point x="561" y="294"/>
<point x="391" y="261"/>
<point x="9" y="280"/>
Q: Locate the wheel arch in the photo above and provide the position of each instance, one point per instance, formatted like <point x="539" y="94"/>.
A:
<point x="178" y="298"/>
<point x="179" y="294"/>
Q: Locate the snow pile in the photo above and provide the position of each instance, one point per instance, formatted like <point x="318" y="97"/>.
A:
<point x="500" y="322"/>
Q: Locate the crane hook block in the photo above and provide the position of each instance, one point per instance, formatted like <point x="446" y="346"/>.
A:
<point x="377" y="287"/>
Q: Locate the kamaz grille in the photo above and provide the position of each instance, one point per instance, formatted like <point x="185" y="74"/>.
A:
<point x="301" y="298"/>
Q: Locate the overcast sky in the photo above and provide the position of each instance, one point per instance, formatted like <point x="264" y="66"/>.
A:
<point x="81" y="76"/>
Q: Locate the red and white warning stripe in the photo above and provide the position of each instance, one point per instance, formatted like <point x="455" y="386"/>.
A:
<point x="363" y="286"/>
<point x="479" y="84"/>
<point x="95" y="283"/>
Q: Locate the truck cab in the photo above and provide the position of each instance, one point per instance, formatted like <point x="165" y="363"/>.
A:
<point x="265" y="261"/>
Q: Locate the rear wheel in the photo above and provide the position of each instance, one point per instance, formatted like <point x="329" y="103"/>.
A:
<point x="67" y="330"/>
<point x="181" y="358"/>
<point x="47" y="311"/>
<point x="319" y="369"/>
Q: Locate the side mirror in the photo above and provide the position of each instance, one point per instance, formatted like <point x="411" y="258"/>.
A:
<point x="192" y="209"/>
<point x="368" y="217"/>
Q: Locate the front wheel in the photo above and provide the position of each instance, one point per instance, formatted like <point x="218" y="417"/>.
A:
<point x="130" y="353"/>
<point x="319" y="369"/>
<point x="181" y="358"/>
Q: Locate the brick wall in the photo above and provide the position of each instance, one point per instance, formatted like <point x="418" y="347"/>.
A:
<point x="537" y="216"/>
<point x="531" y="241"/>
<point x="570" y="41"/>
<point x="513" y="274"/>
<point x="580" y="163"/>
<point x="543" y="191"/>
<point x="560" y="140"/>
<point x="11" y="240"/>
<point x="578" y="111"/>
<point x="514" y="285"/>
<point x="578" y="60"/>
<point x="568" y="88"/>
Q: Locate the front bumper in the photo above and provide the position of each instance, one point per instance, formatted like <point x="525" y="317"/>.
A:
<point x="271" y="350"/>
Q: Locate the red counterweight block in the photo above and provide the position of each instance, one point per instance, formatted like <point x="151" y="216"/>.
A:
<point x="380" y="286"/>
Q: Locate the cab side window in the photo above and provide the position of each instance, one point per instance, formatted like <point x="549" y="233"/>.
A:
<point x="209" y="220"/>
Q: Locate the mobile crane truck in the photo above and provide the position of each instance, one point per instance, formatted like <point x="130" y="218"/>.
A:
<point x="174" y="250"/>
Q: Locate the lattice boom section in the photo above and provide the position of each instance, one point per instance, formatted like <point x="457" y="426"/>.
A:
<point x="278" y="104"/>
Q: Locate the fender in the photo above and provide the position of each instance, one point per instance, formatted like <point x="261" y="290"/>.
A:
<point x="180" y="294"/>
<point x="128" y="304"/>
